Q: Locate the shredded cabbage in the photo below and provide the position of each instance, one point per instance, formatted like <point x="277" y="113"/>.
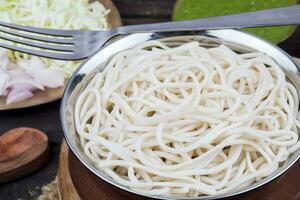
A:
<point x="58" y="14"/>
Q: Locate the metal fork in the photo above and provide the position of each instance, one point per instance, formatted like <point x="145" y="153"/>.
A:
<point x="80" y="44"/>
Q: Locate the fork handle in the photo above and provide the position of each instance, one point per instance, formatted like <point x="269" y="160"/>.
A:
<point x="271" y="17"/>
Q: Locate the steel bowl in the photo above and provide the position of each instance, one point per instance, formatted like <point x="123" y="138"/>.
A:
<point x="236" y="40"/>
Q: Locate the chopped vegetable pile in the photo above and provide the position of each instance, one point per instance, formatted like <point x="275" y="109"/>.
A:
<point x="19" y="80"/>
<point x="22" y="74"/>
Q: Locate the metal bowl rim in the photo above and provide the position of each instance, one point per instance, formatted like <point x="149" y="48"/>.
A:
<point x="94" y="170"/>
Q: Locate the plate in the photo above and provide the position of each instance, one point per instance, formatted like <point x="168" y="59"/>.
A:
<point x="49" y="95"/>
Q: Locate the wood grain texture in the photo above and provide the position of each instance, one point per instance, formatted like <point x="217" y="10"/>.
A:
<point x="84" y="184"/>
<point x="22" y="151"/>
<point x="49" y="95"/>
<point x="66" y="189"/>
<point x="87" y="186"/>
<point x="113" y="18"/>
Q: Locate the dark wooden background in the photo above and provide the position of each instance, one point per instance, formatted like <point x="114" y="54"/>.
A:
<point x="46" y="117"/>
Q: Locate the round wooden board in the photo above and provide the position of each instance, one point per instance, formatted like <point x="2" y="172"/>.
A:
<point x="114" y="18"/>
<point x="76" y="181"/>
<point x="66" y="189"/>
<point x="48" y="95"/>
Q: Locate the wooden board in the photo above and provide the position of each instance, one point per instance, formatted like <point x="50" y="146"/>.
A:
<point x="22" y="152"/>
<point x="114" y="18"/>
<point x="49" y="95"/>
<point x="66" y="189"/>
<point x="76" y="182"/>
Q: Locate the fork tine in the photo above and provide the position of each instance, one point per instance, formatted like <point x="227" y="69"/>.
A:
<point x="53" y="32"/>
<point x="69" y="48"/>
<point x="39" y="38"/>
<point x="52" y="55"/>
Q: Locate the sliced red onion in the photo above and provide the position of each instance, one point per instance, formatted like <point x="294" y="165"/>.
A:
<point x="46" y="77"/>
<point x="18" y="73"/>
<point x="24" y="81"/>
<point x="17" y="95"/>
<point x="4" y="79"/>
<point x="24" y="86"/>
<point x="49" y="78"/>
<point x="20" y="80"/>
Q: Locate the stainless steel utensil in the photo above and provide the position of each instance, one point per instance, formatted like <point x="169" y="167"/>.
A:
<point x="236" y="40"/>
<point x="75" y="45"/>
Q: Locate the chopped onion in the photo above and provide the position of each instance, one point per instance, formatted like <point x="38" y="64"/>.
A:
<point x="22" y="74"/>
<point x="57" y="14"/>
<point x="4" y="78"/>
<point x="18" y="95"/>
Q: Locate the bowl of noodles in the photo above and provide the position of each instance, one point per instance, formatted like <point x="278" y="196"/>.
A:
<point x="187" y="115"/>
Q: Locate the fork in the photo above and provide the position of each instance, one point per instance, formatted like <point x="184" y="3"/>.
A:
<point x="80" y="44"/>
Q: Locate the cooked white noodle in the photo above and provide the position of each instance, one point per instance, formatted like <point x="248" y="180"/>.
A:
<point x="188" y="120"/>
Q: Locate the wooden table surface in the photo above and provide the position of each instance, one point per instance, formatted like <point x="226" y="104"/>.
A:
<point x="46" y="117"/>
